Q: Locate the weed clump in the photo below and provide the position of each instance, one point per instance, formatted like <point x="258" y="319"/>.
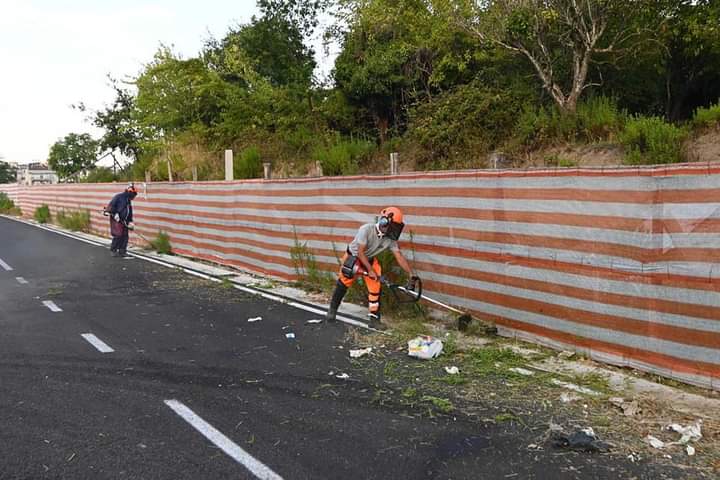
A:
<point x="42" y="214"/>
<point x="77" y="221"/>
<point x="161" y="243"/>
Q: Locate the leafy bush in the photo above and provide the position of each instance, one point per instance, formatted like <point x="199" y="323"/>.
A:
<point x="599" y="119"/>
<point x="100" y="175"/>
<point x="650" y="140"/>
<point x="707" y="117"/>
<point x="75" y="221"/>
<point x="6" y="204"/>
<point x="462" y="124"/>
<point x="596" y="119"/>
<point x="343" y="157"/>
<point x="248" y="164"/>
<point x="161" y="243"/>
<point x="42" y="214"/>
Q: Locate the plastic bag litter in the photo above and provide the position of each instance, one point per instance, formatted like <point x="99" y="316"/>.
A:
<point x="583" y="440"/>
<point x="314" y="321"/>
<point x="424" y="347"/>
<point x="629" y="408"/>
<point x="360" y="352"/>
<point x="690" y="450"/>
<point x="522" y="371"/>
<point x="254" y="319"/>
<point x="290" y="335"/>
<point x="654" y="442"/>
<point x="691" y="432"/>
<point x="342" y="376"/>
<point x="452" y="370"/>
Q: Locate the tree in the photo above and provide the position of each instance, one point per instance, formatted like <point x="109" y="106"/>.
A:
<point x="73" y="154"/>
<point x="122" y="132"/>
<point x="8" y="173"/>
<point x="560" y="38"/>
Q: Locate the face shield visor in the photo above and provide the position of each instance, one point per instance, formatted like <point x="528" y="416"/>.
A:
<point x="393" y="230"/>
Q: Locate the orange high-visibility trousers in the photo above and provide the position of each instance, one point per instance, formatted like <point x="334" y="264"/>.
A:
<point x="373" y="286"/>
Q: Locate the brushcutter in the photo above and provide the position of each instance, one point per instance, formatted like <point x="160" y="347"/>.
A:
<point x="413" y="293"/>
<point x="130" y="226"/>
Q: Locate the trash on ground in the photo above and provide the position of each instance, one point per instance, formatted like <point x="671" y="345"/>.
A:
<point x="452" y="370"/>
<point x="566" y="355"/>
<point x="360" y="352"/>
<point x="522" y="371"/>
<point x="254" y="319"/>
<point x="424" y="347"/>
<point x="691" y="432"/>
<point x="654" y="442"/>
<point x="567" y="397"/>
<point x="634" y="457"/>
<point x="583" y="440"/>
<point x="575" y="388"/>
<point x="313" y="321"/>
<point x="630" y="409"/>
<point x="690" y="450"/>
<point x="342" y="376"/>
<point x="290" y="335"/>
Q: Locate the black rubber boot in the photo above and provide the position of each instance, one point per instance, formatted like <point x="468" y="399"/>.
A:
<point x="338" y="295"/>
<point x="374" y="321"/>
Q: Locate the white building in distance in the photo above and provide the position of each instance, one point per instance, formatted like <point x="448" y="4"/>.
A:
<point x="36" y="174"/>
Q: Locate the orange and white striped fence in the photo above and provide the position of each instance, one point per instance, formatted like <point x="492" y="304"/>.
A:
<point x="620" y="264"/>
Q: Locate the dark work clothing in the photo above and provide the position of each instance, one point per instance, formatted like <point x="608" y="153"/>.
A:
<point x="120" y="243"/>
<point x="122" y="205"/>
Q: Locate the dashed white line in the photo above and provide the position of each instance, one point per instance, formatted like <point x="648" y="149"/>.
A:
<point x="97" y="343"/>
<point x="51" y="305"/>
<point x="5" y="265"/>
<point x="21" y="280"/>
<point x="257" y="468"/>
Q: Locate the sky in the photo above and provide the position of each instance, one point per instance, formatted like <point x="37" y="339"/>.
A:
<point x="56" y="53"/>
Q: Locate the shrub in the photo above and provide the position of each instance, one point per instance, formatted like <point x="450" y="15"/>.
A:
<point x="306" y="268"/>
<point x="650" y="140"/>
<point x="343" y="157"/>
<point x="42" y="214"/>
<point x="75" y="221"/>
<point x="161" y="243"/>
<point x="463" y="123"/>
<point x="6" y="204"/>
<point x="599" y="119"/>
<point x="594" y="120"/>
<point x="100" y="175"/>
<point x="707" y="117"/>
<point x="248" y="164"/>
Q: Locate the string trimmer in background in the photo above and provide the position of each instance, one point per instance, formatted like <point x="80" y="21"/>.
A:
<point x="413" y="293"/>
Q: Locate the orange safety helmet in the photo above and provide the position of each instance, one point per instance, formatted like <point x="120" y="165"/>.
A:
<point x="131" y="189"/>
<point x="390" y="222"/>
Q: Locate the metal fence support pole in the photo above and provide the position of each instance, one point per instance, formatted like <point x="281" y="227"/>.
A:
<point x="394" y="163"/>
<point x="228" y="165"/>
<point x="267" y="171"/>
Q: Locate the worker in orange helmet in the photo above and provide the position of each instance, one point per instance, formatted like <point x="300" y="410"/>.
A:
<point x="360" y="259"/>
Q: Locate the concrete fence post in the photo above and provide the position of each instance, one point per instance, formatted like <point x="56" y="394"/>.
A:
<point x="394" y="163"/>
<point x="318" y="168"/>
<point x="228" y="165"/>
<point x="148" y="176"/>
<point x="194" y="173"/>
<point x="267" y="171"/>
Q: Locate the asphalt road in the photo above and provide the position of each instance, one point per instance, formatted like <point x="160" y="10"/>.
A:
<point x="69" y="411"/>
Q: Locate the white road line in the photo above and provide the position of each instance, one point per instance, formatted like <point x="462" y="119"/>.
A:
<point x="5" y="265"/>
<point x="21" y="280"/>
<point x="97" y="343"/>
<point x="51" y="305"/>
<point x="255" y="467"/>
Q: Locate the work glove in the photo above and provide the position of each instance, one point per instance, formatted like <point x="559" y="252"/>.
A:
<point x="412" y="283"/>
<point x="131" y="226"/>
<point x="116" y="217"/>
